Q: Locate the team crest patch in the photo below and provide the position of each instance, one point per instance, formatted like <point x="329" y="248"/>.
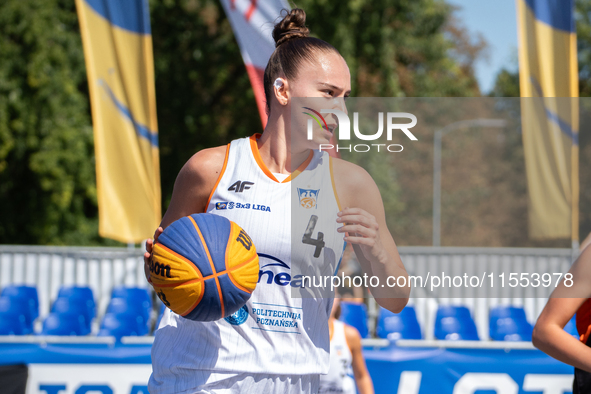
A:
<point x="308" y="197"/>
<point x="238" y="317"/>
<point x="221" y="205"/>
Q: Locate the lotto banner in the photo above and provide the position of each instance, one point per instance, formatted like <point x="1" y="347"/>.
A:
<point x="467" y="371"/>
<point x="118" y="52"/>
<point x="548" y="69"/>
<point x="125" y="369"/>
<point x="253" y="23"/>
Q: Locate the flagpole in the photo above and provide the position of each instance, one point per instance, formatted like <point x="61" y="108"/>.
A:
<point x="575" y="196"/>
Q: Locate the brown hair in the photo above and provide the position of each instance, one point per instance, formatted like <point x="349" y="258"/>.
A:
<point x="293" y="46"/>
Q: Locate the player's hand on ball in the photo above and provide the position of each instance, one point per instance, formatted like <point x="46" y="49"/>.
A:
<point x="148" y="255"/>
<point x="363" y="230"/>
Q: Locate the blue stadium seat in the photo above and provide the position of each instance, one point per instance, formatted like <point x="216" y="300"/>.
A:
<point x="19" y="306"/>
<point x="455" y="323"/>
<point x="403" y="325"/>
<point x="12" y="323"/>
<point x="79" y="293"/>
<point x="28" y="292"/>
<point x="123" y="324"/>
<point x="136" y="295"/>
<point x="510" y="329"/>
<point x="502" y="311"/>
<point x="355" y="315"/>
<point x="509" y="323"/>
<point x="130" y="307"/>
<point x="64" y="324"/>
<point x="75" y="306"/>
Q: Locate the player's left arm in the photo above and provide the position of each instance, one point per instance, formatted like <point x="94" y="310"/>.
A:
<point x="365" y="226"/>
<point x="362" y="377"/>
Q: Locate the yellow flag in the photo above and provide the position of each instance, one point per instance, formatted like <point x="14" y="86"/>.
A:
<point x="548" y="78"/>
<point x="118" y="51"/>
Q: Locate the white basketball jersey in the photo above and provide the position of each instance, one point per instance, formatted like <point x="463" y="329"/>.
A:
<point x="339" y="377"/>
<point x="283" y="327"/>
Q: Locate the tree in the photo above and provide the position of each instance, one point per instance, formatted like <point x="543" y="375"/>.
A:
<point x="47" y="186"/>
<point x="398" y="48"/>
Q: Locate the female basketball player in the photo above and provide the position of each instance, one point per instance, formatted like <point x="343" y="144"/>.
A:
<point x="278" y="343"/>
<point x="346" y="357"/>
<point x="549" y="335"/>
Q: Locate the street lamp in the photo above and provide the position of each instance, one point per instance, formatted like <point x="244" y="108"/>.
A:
<point x="437" y="165"/>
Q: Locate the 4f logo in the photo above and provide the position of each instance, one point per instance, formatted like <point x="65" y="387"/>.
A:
<point x="244" y="239"/>
<point x="240" y="186"/>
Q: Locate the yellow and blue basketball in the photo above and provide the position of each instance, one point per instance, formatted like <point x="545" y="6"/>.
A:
<point x="204" y="267"/>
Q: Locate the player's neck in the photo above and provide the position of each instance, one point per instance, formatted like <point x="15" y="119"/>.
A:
<point x="276" y="148"/>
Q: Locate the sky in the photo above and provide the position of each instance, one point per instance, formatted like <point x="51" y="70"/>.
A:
<point x="496" y="21"/>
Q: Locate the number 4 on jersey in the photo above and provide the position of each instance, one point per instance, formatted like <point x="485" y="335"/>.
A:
<point x="307" y="238"/>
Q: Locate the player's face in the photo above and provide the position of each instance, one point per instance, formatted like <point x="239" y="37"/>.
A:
<point x="328" y="77"/>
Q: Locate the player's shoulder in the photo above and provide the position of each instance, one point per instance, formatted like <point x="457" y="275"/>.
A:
<point x="351" y="180"/>
<point x="350" y="174"/>
<point x="207" y="159"/>
<point x="351" y="332"/>
<point x="205" y="164"/>
<point x="352" y="336"/>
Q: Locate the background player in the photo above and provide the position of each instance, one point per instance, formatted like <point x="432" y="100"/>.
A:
<point x="249" y="356"/>
<point x="346" y="356"/>
<point x="549" y="335"/>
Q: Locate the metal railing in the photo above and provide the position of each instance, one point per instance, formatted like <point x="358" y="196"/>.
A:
<point x="49" y="268"/>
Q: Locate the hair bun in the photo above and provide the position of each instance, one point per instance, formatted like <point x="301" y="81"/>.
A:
<point x="292" y="26"/>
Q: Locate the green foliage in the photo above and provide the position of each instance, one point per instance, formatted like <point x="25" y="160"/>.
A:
<point x="47" y="186"/>
<point x="506" y="84"/>
<point x="583" y="21"/>
<point x="398" y="48"/>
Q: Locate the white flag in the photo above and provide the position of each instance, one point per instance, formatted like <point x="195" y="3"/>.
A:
<point x="253" y="22"/>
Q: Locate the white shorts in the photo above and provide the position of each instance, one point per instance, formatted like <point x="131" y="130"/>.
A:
<point x="245" y="383"/>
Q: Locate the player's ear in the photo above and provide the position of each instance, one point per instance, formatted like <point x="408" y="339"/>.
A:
<point x="280" y="87"/>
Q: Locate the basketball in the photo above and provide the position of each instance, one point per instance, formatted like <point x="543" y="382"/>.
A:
<point x="204" y="267"/>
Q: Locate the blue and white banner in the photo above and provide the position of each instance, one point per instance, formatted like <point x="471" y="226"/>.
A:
<point x="467" y="371"/>
<point x="125" y="369"/>
<point x="88" y="378"/>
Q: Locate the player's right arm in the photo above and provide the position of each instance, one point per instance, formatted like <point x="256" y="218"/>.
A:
<point x="549" y="335"/>
<point x="192" y="188"/>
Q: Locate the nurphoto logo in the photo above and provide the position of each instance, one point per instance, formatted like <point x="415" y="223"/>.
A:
<point x="344" y="129"/>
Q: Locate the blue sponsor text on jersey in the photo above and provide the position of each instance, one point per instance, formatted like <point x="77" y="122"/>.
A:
<point x="268" y="276"/>
<point x="276" y="318"/>
<point x="237" y="205"/>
